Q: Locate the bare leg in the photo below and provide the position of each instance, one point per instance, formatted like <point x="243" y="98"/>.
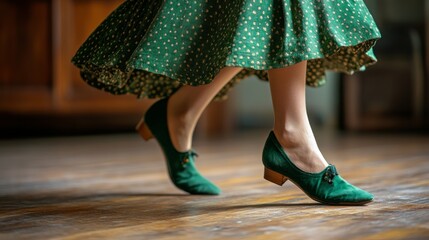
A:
<point x="291" y="125"/>
<point x="187" y="104"/>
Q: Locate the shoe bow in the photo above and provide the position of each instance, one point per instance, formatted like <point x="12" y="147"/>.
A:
<point x="191" y="154"/>
<point x="330" y="173"/>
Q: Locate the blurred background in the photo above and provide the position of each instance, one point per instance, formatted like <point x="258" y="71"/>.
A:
<point x="73" y="167"/>
<point x="41" y="93"/>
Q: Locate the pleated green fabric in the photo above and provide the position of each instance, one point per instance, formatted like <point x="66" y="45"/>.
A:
<point x="152" y="47"/>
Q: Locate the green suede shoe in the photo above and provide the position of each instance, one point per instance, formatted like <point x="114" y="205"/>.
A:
<point x="326" y="187"/>
<point x="181" y="166"/>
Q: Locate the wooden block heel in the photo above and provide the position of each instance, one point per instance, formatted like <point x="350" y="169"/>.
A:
<point x="274" y="177"/>
<point x="143" y="130"/>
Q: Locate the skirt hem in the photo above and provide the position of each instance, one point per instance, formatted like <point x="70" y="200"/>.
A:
<point x="116" y="81"/>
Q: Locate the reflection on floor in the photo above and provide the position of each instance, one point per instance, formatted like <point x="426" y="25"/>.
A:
<point x="116" y="186"/>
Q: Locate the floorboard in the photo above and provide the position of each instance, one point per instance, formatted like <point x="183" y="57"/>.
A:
<point x="116" y="187"/>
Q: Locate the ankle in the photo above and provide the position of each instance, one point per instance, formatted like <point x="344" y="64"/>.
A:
<point x="292" y="137"/>
<point x="182" y="114"/>
<point x="302" y="148"/>
<point x="181" y="127"/>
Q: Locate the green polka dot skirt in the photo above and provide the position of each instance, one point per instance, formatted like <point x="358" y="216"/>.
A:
<point x="150" y="48"/>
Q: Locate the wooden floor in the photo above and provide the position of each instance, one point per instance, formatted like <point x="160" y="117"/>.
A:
<point x="116" y="187"/>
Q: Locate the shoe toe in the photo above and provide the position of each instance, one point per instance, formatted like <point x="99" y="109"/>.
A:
<point x="363" y="195"/>
<point x="344" y="192"/>
<point x="209" y="190"/>
<point x="205" y="189"/>
<point x="354" y="195"/>
<point x="200" y="186"/>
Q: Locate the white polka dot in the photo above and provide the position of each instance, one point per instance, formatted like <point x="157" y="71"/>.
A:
<point x="189" y="43"/>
